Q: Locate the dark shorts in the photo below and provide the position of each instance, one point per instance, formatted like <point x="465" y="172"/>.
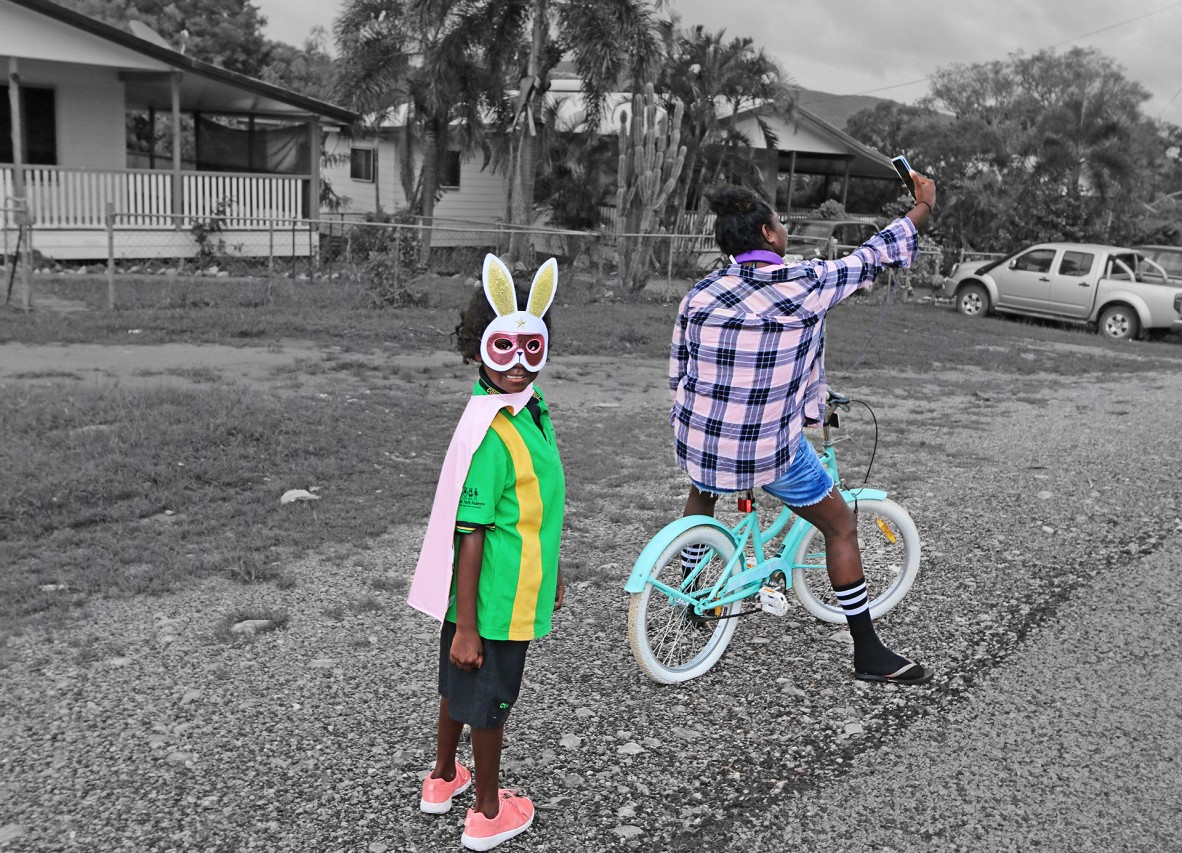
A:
<point x="483" y="698"/>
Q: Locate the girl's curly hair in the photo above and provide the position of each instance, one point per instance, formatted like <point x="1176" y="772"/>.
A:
<point x="740" y="215"/>
<point x="475" y="319"/>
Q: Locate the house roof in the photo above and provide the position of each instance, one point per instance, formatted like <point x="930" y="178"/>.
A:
<point x="203" y="86"/>
<point x="820" y="147"/>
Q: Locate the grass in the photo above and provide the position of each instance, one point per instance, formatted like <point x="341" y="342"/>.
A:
<point x="126" y="490"/>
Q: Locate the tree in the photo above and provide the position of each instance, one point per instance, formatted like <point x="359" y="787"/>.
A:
<point x="1035" y="148"/>
<point x="419" y="57"/>
<point x="612" y="44"/>
<point x="227" y="33"/>
<point x="718" y="80"/>
<point x="308" y="70"/>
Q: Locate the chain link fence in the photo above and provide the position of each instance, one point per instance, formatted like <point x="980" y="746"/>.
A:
<point x="391" y="256"/>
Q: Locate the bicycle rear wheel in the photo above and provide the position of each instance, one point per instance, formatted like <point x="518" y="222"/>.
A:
<point x="889" y="542"/>
<point x="670" y="643"/>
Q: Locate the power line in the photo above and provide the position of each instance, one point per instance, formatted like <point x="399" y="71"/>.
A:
<point x="1103" y="29"/>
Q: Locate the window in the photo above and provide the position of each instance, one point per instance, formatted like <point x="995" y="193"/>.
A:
<point x="449" y="170"/>
<point x="1076" y="263"/>
<point x="361" y="164"/>
<point x="1170" y="261"/>
<point x="1037" y="261"/>
<point x="38" y="123"/>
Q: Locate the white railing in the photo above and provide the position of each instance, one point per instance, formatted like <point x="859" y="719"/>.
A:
<point x="78" y="198"/>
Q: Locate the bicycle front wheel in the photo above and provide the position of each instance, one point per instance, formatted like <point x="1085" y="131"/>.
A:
<point x="889" y="542"/>
<point x="670" y="642"/>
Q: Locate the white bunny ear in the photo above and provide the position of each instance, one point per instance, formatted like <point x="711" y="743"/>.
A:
<point x="541" y="292"/>
<point x="498" y="286"/>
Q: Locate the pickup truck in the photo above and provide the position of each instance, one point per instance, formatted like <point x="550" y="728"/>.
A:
<point x="1120" y="291"/>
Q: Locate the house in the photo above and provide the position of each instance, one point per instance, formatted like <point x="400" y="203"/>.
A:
<point x="251" y="150"/>
<point x="363" y="168"/>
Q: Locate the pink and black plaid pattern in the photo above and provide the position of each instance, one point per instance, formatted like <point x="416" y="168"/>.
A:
<point x="747" y="366"/>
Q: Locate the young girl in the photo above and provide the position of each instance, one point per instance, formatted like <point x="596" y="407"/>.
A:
<point x="497" y="520"/>
<point x="747" y="372"/>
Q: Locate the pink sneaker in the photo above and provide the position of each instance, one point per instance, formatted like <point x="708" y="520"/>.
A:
<point x="514" y="818"/>
<point x="437" y="793"/>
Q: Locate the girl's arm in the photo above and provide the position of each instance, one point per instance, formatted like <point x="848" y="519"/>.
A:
<point x="467" y="650"/>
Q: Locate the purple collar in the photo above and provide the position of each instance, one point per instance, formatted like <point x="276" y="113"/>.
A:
<point x="759" y="255"/>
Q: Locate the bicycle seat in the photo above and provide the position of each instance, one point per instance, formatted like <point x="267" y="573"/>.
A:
<point x="837" y="399"/>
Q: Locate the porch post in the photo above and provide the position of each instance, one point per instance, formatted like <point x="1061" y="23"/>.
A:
<point x="177" y="184"/>
<point x="314" y="168"/>
<point x="791" y="181"/>
<point x="845" y="184"/>
<point x="18" y="137"/>
<point x="151" y="136"/>
<point x="24" y="219"/>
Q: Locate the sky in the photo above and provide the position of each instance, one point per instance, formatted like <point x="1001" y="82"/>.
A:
<point x="851" y="47"/>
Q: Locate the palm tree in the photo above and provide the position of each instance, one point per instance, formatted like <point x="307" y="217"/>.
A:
<point x="420" y="57"/>
<point x="611" y="43"/>
<point x="717" y="80"/>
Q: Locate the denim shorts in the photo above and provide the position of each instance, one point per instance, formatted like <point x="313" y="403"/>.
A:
<point x="806" y="482"/>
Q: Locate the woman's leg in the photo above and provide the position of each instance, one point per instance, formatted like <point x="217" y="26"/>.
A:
<point x="873" y="661"/>
<point x="700" y="503"/>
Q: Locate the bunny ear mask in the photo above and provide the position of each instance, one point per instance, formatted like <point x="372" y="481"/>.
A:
<point x="517" y="337"/>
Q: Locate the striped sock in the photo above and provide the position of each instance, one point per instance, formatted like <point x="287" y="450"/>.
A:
<point x="870" y="655"/>
<point x="691" y="555"/>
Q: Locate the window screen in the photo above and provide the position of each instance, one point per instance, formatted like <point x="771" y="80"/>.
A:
<point x="361" y="164"/>
<point x="38" y="123"/>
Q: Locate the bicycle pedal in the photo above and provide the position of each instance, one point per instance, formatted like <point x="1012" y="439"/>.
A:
<point x="773" y="601"/>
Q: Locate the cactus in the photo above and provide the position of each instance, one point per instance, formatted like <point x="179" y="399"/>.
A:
<point x="651" y="159"/>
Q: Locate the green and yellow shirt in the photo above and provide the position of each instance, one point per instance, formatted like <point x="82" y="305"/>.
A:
<point x="515" y="489"/>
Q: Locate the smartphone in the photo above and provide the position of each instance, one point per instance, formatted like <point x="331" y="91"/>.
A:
<point x="904" y="169"/>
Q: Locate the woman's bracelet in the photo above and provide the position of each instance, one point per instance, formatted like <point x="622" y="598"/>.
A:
<point x="925" y="204"/>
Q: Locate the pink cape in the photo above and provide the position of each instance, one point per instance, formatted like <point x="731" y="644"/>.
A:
<point x="431" y="586"/>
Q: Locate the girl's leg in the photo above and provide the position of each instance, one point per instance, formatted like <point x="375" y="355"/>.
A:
<point x="835" y="520"/>
<point x="447" y="740"/>
<point x="486" y="753"/>
<point x="700" y="503"/>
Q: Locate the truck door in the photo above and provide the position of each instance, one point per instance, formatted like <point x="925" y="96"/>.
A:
<point x="1025" y="281"/>
<point x="1073" y="284"/>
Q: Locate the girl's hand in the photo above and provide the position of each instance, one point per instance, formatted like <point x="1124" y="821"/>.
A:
<point x="467" y="650"/>
<point x="559" y="592"/>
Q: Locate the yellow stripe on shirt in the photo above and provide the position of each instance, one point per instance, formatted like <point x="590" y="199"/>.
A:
<point x="529" y="504"/>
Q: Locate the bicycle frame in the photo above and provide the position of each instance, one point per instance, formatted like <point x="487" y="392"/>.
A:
<point x="746" y="571"/>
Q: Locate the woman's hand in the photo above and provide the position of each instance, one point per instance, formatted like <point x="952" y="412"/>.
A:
<point x="925" y="199"/>
<point x="467" y="650"/>
<point x="559" y="592"/>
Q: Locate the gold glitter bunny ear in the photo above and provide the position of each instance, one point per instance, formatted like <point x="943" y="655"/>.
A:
<point x="541" y="292"/>
<point x="498" y="286"/>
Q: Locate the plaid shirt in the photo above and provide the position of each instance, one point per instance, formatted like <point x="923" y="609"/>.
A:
<point x="747" y="366"/>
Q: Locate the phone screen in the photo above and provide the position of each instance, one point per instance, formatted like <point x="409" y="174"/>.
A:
<point x="904" y="169"/>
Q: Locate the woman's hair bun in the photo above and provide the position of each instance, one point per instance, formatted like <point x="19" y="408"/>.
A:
<point x="730" y="201"/>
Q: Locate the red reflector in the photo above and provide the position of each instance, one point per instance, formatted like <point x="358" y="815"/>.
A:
<point x="746" y="504"/>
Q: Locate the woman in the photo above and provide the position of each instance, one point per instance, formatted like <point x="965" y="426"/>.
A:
<point x="747" y="375"/>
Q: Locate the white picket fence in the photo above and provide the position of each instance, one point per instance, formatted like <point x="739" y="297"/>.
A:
<point x="61" y="198"/>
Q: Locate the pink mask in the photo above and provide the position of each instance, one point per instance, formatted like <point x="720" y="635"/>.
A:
<point x="517" y="337"/>
<point x="505" y="349"/>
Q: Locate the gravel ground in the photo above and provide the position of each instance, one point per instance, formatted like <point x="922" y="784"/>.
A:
<point x="1051" y="525"/>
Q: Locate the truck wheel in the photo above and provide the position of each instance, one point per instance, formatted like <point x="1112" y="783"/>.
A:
<point x="1119" y="323"/>
<point x="972" y="300"/>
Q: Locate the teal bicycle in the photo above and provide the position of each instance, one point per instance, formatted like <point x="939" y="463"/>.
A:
<point x="697" y="575"/>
